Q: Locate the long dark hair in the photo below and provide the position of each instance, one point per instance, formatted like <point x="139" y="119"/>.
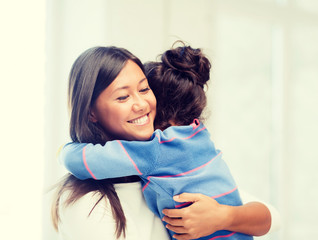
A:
<point x="92" y="72"/>
<point x="178" y="81"/>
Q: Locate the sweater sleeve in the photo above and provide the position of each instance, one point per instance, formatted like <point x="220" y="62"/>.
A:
<point x="114" y="159"/>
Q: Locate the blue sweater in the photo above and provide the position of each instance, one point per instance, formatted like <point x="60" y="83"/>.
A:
<point x="176" y="160"/>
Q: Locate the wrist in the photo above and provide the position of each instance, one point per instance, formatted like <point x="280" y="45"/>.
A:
<point x="229" y="213"/>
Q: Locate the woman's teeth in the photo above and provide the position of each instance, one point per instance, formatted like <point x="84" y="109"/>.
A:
<point x="140" y="121"/>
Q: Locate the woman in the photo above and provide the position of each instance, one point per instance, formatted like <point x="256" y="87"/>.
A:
<point x="110" y="99"/>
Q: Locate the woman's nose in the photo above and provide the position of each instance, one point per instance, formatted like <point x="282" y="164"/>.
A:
<point x="140" y="104"/>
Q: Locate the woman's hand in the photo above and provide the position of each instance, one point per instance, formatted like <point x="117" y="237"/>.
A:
<point x="206" y="216"/>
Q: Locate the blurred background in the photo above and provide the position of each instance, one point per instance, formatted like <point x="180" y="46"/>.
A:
<point x="262" y="107"/>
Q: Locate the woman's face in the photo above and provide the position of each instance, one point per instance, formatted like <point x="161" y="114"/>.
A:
<point x="127" y="107"/>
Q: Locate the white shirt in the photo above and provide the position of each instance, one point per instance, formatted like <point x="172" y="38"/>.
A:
<point x="142" y="224"/>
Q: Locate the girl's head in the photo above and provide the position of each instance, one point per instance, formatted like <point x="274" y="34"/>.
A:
<point x="178" y="82"/>
<point x="109" y="97"/>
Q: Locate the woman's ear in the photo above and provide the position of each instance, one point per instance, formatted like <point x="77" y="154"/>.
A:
<point x="92" y="116"/>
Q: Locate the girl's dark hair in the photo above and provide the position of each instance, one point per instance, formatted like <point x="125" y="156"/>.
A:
<point x="178" y="82"/>
<point x="92" y="72"/>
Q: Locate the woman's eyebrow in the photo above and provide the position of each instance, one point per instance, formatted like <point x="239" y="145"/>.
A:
<point x="142" y="80"/>
<point x="125" y="87"/>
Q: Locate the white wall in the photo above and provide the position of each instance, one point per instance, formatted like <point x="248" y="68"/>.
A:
<point x="22" y="58"/>
<point x="262" y="97"/>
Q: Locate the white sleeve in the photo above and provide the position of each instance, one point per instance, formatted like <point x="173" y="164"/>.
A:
<point x="276" y="219"/>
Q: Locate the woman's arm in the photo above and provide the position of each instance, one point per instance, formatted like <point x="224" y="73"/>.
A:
<point x="275" y="215"/>
<point x="206" y="216"/>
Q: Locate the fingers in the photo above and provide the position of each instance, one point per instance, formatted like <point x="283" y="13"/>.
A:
<point x="173" y="213"/>
<point x="181" y="233"/>
<point x="187" y="222"/>
<point x="187" y="197"/>
<point x="175" y="229"/>
<point x="184" y="197"/>
<point x="177" y="222"/>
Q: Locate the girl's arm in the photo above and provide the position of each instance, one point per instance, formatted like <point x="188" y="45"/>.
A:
<point x="114" y="159"/>
<point x="206" y="216"/>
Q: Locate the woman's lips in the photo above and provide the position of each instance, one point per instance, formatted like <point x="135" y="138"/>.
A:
<point x="141" y="120"/>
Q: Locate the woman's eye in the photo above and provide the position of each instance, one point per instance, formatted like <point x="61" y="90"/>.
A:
<point x="145" y="89"/>
<point x="122" y="98"/>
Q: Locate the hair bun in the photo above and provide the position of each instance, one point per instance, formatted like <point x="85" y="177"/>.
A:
<point x="191" y="63"/>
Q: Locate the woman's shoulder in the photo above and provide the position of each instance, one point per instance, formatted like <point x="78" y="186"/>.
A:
<point x="81" y="206"/>
<point x="94" y="205"/>
<point x="79" y="221"/>
<point x="83" y="219"/>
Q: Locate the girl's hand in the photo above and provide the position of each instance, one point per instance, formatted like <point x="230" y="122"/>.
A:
<point x="204" y="217"/>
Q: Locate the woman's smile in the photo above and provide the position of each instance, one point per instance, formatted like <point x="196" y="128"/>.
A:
<point x="141" y="120"/>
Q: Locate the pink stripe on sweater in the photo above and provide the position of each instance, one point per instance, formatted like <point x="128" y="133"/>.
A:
<point x="223" y="194"/>
<point x="216" y="196"/>
<point x="183" y="204"/>
<point x="86" y="165"/>
<point x="223" y="236"/>
<point x="132" y="161"/>
<point x="184" y="173"/>
<point x="143" y="189"/>
<point x="170" y="140"/>
<point x="192" y="170"/>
